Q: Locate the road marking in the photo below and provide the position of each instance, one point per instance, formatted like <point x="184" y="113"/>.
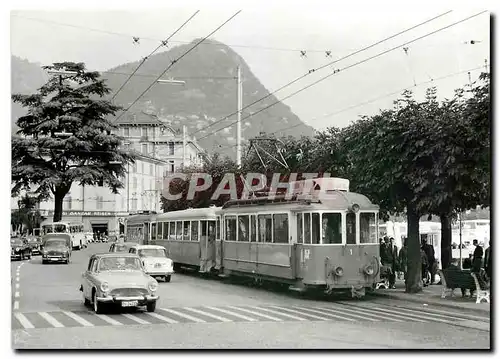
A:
<point x="161" y="317"/>
<point x="17" y="285"/>
<point x="387" y="312"/>
<point x="436" y="313"/>
<point x="297" y="312"/>
<point x="233" y="314"/>
<point x="257" y="313"/>
<point x="51" y="319"/>
<point x="422" y="315"/>
<point x="108" y="319"/>
<point x="326" y="314"/>
<point x="16" y="305"/>
<point x="357" y="315"/>
<point x="135" y="319"/>
<point x="283" y="314"/>
<point x="194" y="319"/>
<point x="24" y="321"/>
<point x="383" y="316"/>
<point x="16" y="294"/>
<point x="79" y="319"/>
<point x="222" y="319"/>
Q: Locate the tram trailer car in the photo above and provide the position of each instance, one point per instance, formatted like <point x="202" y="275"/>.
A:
<point x="191" y="237"/>
<point x="138" y="227"/>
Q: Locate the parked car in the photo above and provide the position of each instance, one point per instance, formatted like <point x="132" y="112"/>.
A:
<point x="155" y="261"/>
<point x="19" y="249"/>
<point x="56" y="248"/>
<point x="121" y="247"/>
<point x="89" y="237"/>
<point x="118" y="279"/>
<point x="34" y="243"/>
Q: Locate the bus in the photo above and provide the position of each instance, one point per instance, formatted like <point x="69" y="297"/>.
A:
<point x="75" y="229"/>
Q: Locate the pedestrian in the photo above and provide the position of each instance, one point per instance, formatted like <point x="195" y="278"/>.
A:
<point x="477" y="257"/>
<point x="403" y="258"/>
<point x="429" y="251"/>
<point x="487" y="261"/>
<point x="393" y="258"/>
<point x="425" y="263"/>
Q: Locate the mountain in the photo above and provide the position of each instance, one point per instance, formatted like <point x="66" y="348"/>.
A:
<point x="208" y="95"/>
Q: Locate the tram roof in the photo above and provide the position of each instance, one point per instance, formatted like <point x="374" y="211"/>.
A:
<point x="190" y="213"/>
<point x="141" y="218"/>
<point x="328" y="200"/>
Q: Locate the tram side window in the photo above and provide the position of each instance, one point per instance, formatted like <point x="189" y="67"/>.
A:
<point x="153" y="231"/>
<point x="217" y="228"/>
<point x="159" y="227"/>
<point x="165" y="231"/>
<point x="332" y="228"/>
<point x="187" y="227"/>
<point x="203" y="231"/>
<point x="307" y="228"/>
<point x="315" y="229"/>
<point x="351" y="228"/>
<point x="367" y="228"/>
<point x="230" y="228"/>
<point x="178" y="231"/>
<point x="194" y="230"/>
<point x="171" y="231"/>
<point x="300" y="227"/>
<point x="265" y="228"/>
<point x="211" y="230"/>
<point x="253" y="229"/>
<point x="280" y="226"/>
<point x="243" y="228"/>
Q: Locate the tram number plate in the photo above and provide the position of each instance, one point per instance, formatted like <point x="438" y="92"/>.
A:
<point x="131" y="303"/>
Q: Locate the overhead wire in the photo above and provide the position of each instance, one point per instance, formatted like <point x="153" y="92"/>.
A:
<point x="322" y="67"/>
<point x="174" y="62"/>
<point x="343" y="69"/>
<point x="163" y="43"/>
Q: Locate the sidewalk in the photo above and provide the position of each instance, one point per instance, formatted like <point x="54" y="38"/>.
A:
<point x="432" y="295"/>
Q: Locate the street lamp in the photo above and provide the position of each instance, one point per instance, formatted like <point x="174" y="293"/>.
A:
<point x="171" y="81"/>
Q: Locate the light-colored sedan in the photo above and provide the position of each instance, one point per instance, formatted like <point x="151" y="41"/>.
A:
<point x="118" y="279"/>
<point x="155" y="260"/>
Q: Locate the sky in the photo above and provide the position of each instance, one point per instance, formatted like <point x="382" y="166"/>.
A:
<point x="270" y="39"/>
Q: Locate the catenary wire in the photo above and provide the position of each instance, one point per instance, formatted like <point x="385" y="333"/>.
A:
<point x="343" y="69"/>
<point x="175" y="61"/>
<point x="163" y="43"/>
<point x="322" y="67"/>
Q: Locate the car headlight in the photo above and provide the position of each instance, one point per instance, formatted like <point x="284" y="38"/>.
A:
<point x="339" y="271"/>
<point x="369" y="270"/>
<point x="17" y="249"/>
<point x="153" y="286"/>
<point x="104" y="286"/>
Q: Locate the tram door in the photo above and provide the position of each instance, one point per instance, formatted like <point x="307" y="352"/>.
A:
<point x="207" y="246"/>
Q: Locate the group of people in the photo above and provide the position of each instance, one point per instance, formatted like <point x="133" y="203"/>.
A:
<point x="396" y="262"/>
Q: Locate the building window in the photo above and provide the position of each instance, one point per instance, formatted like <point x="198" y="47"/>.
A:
<point x="99" y="202"/>
<point x="153" y="149"/>
<point x="171" y="148"/>
<point x="142" y="183"/>
<point x="69" y="202"/>
<point x="142" y="167"/>
<point x="134" y="183"/>
<point x="144" y="148"/>
<point x="134" y="204"/>
<point x="126" y="132"/>
<point x="134" y="167"/>
<point x="152" y="169"/>
<point x="145" y="131"/>
<point x="171" y="166"/>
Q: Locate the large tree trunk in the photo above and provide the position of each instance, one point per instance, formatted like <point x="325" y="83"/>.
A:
<point x="414" y="275"/>
<point x="446" y="235"/>
<point x="58" y="207"/>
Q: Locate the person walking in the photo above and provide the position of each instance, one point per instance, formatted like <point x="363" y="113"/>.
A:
<point x="403" y="258"/>
<point x="477" y="257"/>
<point x="392" y="250"/>
<point x="425" y="263"/>
<point x="429" y="251"/>
<point x="487" y="261"/>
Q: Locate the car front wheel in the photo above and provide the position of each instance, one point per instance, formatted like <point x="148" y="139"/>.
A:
<point x="98" y="307"/>
<point x="151" y="307"/>
<point x="168" y="278"/>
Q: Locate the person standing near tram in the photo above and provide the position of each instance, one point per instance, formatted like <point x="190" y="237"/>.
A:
<point x="403" y="258"/>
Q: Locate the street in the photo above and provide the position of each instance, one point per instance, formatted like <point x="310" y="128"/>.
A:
<point x="195" y="312"/>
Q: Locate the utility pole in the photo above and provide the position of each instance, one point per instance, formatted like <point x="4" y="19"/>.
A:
<point x="486" y="65"/>
<point x="238" y="123"/>
<point x="184" y="144"/>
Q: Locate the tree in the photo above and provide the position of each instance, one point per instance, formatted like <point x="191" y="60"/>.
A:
<point x="26" y="217"/>
<point x="66" y="137"/>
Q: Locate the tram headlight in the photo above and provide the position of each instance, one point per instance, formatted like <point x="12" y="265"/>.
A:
<point x="369" y="270"/>
<point x="339" y="271"/>
<point x="355" y="207"/>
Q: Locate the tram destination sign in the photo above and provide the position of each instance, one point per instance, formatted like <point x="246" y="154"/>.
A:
<point x="86" y="213"/>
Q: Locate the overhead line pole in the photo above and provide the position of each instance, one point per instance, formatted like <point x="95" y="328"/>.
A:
<point x="238" y="123"/>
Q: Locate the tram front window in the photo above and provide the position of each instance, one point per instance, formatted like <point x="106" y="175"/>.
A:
<point x="351" y="228"/>
<point x="367" y="228"/>
<point x="332" y="228"/>
<point x="315" y="229"/>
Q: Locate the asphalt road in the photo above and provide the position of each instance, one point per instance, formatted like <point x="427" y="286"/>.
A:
<point x="196" y="312"/>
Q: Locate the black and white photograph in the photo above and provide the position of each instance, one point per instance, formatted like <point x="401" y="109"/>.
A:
<point x="252" y="175"/>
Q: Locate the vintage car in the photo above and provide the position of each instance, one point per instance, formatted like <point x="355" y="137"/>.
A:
<point x="34" y="243"/>
<point x="118" y="279"/>
<point x="19" y="249"/>
<point x="56" y="248"/>
<point x="155" y="260"/>
<point x="121" y="247"/>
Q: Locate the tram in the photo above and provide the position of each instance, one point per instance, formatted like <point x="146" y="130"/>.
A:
<point x="320" y="239"/>
<point x="139" y="227"/>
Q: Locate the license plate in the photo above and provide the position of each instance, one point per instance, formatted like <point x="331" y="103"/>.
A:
<point x="54" y="259"/>
<point x="132" y="303"/>
<point x="157" y="265"/>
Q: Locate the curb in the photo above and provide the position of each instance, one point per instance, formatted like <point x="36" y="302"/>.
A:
<point x="423" y="300"/>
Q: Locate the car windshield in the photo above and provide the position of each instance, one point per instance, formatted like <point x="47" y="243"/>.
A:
<point x="16" y="242"/>
<point x="120" y="248"/>
<point x="152" y="252"/>
<point x="119" y="263"/>
<point x="55" y="243"/>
